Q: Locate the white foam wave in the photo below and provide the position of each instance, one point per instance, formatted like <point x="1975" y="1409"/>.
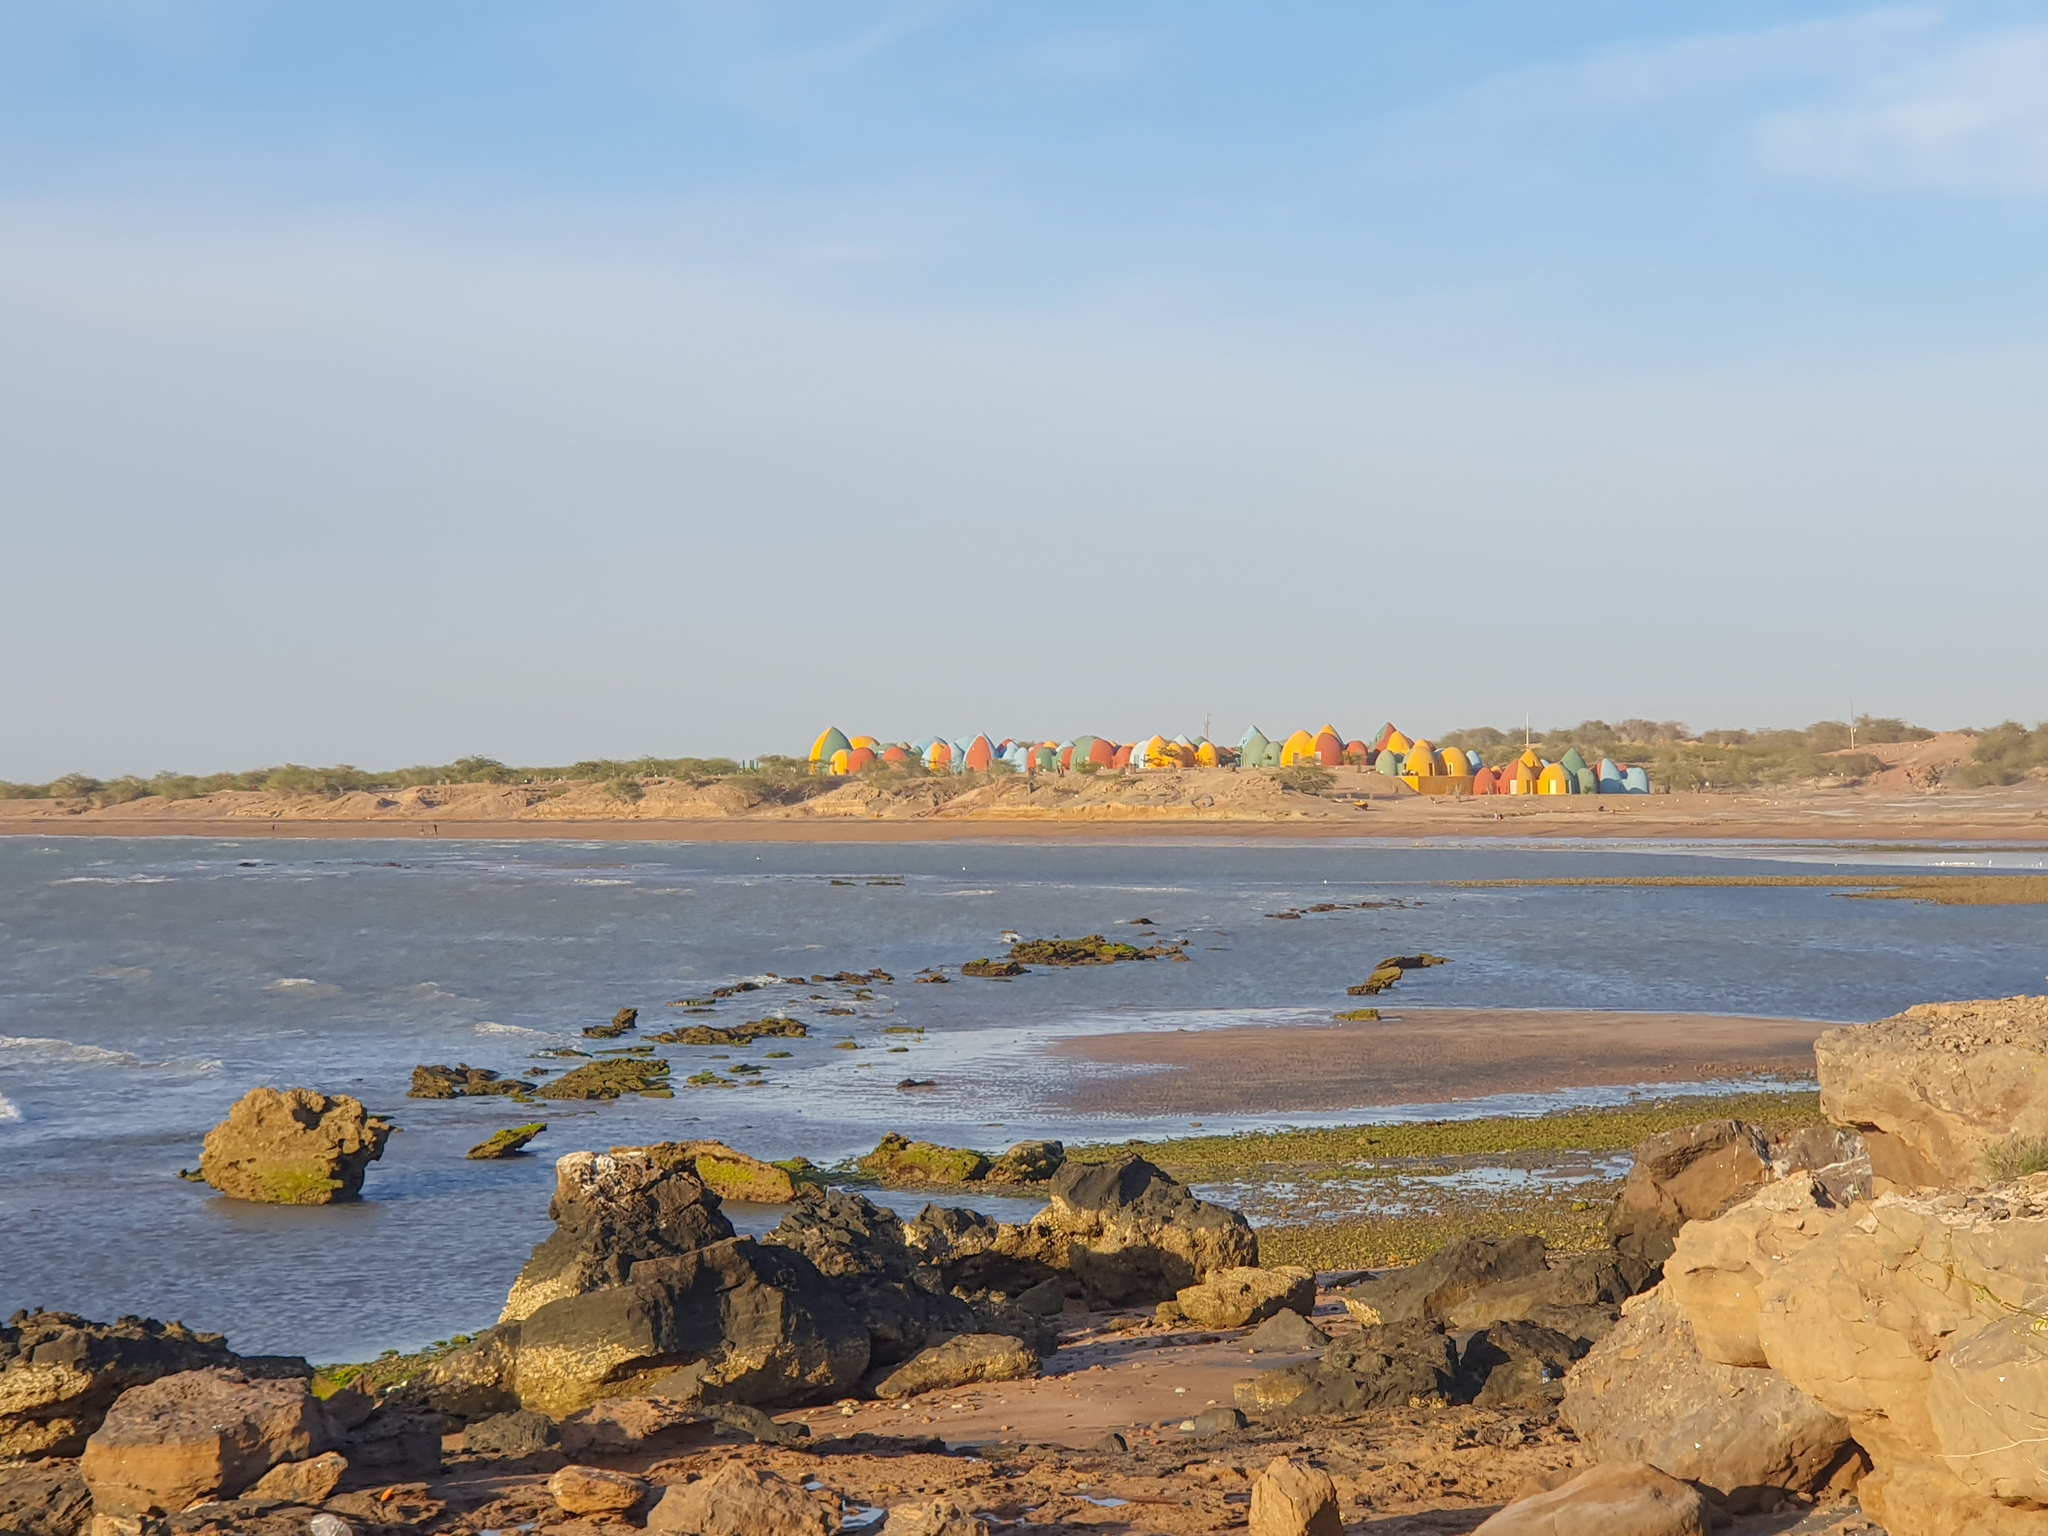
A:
<point x="489" y="1028"/>
<point x="113" y="880"/>
<point x="7" y="1110"/>
<point x="121" y="973"/>
<point x="601" y="882"/>
<point x="36" y="1048"/>
<point x="291" y="983"/>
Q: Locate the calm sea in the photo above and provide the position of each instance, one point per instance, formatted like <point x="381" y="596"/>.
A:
<point x="145" y="985"/>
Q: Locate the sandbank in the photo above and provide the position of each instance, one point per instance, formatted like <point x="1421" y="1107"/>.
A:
<point x="1425" y="1056"/>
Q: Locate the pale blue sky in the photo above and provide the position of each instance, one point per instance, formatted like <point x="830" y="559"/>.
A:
<point x="386" y="382"/>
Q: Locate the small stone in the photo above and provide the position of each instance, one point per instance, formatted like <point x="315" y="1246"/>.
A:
<point x="1215" y="1421"/>
<point x="1287" y="1332"/>
<point x="301" y="1482"/>
<point x="328" y="1525"/>
<point x="1292" y="1498"/>
<point x="1111" y="1444"/>
<point x="595" y="1491"/>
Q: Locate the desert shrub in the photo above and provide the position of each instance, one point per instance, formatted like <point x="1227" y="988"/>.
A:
<point x="2016" y="1157"/>
<point x="1305" y="778"/>
<point x="2005" y="754"/>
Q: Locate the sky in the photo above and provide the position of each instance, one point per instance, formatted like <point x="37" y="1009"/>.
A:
<point x="384" y="383"/>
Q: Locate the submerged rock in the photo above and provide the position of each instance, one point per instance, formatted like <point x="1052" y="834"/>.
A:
<point x="987" y="967"/>
<point x="292" y="1147"/>
<point x="507" y="1143"/>
<point x="462" y="1081"/>
<point x="737" y="1034"/>
<point x="610" y="1079"/>
<point x="623" y="1020"/>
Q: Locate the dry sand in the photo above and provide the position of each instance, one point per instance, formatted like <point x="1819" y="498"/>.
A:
<point x="1425" y="1056"/>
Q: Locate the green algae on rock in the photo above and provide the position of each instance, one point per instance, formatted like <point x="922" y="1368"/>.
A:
<point x="737" y="1034"/>
<point x="622" y="1021"/>
<point x="462" y="1081"/>
<point x="899" y="1160"/>
<point x="995" y="968"/>
<point x="609" y="1079"/>
<point x="1094" y="949"/>
<point x="507" y="1143"/>
<point x="1388" y="971"/>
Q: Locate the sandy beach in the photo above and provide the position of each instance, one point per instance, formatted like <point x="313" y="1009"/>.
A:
<point x="1427" y="1056"/>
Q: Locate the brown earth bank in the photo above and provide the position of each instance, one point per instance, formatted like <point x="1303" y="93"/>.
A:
<point x="1425" y="1056"/>
<point x="1173" y="803"/>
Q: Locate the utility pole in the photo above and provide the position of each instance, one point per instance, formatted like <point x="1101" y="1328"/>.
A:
<point x="1852" y="722"/>
<point x="1208" y="725"/>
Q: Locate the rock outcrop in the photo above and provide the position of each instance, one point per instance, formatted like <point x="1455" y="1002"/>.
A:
<point x="1684" y="1175"/>
<point x="728" y="1173"/>
<point x="197" y="1435"/>
<point x="43" y="1499"/>
<point x="1646" y="1394"/>
<point x="1242" y="1296"/>
<point x="899" y="1160"/>
<point x="292" y="1147"/>
<point x="611" y="1210"/>
<point x="1129" y="1234"/>
<point x="1947" y="1095"/>
<point x="60" y="1373"/>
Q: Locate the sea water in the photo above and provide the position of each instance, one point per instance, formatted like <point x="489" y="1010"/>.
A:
<point x="145" y="985"/>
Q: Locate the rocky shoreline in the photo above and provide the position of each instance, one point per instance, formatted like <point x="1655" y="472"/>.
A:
<point x="1804" y="1331"/>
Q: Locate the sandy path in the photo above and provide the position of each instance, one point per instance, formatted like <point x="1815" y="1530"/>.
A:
<point x="1425" y="1056"/>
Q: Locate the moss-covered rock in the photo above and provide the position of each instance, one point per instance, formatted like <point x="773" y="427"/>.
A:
<point x="731" y="1174"/>
<point x="898" y="1160"/>
<point x="609" y="1079"/>
<point x="507" y="1143"/>
<point x="737" y="1034"/>
<point x="1028" y="1162"/>
<point x="987" y="967"/>
<point x="1091" y="950"/>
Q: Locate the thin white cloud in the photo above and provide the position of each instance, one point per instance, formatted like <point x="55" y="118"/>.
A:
<point x="1973" y="118"/>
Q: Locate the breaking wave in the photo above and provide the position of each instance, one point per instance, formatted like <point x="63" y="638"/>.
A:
<point x="488" y="1028"/>
<point x="7" y="1110"/>
<point x="67" y="1053"/>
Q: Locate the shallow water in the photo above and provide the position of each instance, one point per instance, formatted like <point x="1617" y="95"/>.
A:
<point x="145" y="985"/>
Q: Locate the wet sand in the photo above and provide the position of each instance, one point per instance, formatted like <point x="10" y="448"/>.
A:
<point x="1426" y="1056"/>
<point x="2015" y="818"/>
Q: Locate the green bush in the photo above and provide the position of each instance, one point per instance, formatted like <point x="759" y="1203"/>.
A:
<point x="2006" y="754"/>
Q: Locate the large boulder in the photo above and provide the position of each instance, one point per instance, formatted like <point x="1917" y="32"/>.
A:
<point x="197" y="1435"/>
<point x="974" y="1253"/>
<point x="1909" y="1317"/>
<point x="899" y="1160"/>
<point x="1684" y="1175"/>
<point x="293" y="1147"/>
<point x="1390" y="1366"/>
<point x="735" y="1321"/>
<point x="1238" y="1298"/>
<point x="1646" y="1394"/>
<point x="1715" y="1272"/>
<point x="1132" y="1235"/>
<point x="1614" y="1499"/>
<point x="1479" y="1281"/>
<point x="60" y="1373"/>
<point x="1947" y="1095"/>
<point x="611" y="1210"/>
